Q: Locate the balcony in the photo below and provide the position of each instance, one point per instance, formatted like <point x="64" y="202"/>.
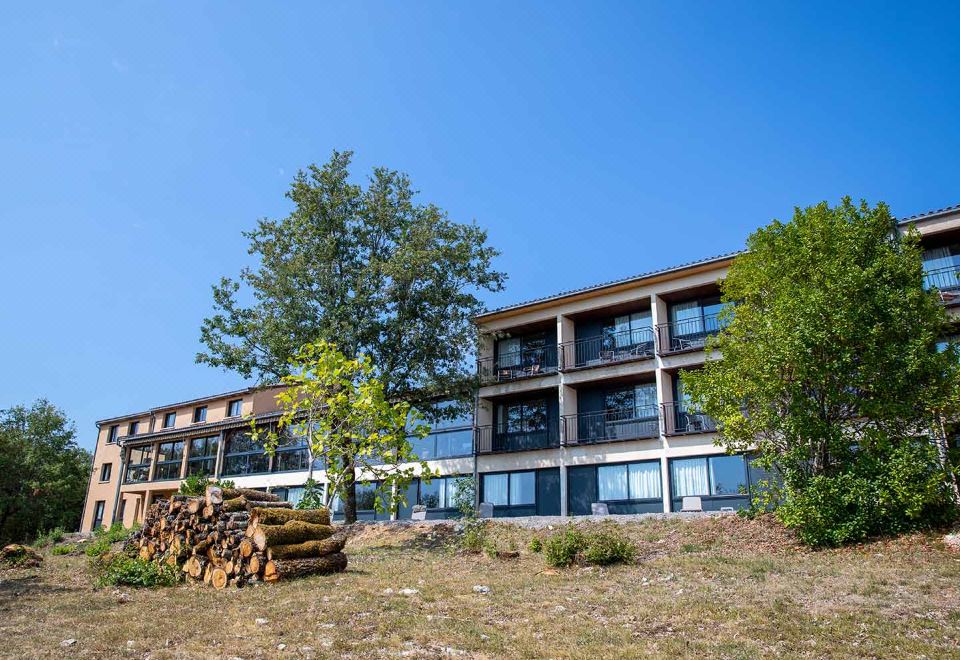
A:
<point x="678" y="419"/>
<point x="607" y="349"/>
<point x="516" y="365"/>
<point x="490" y="440"/>
<point x="687" y="335"/>
<point x="946" y="280"/>
<point x="612" y="425"/>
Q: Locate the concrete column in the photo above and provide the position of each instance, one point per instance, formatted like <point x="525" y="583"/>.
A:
<point x="659" y="314"/>
<point x="565" y="334"/>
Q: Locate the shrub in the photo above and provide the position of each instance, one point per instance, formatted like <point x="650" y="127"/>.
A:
<point x="608" y="547"/>
<point x="604" y="547"/>
<point x="65" y="549"/>
<point x="55" y="535"/>
<point x="474" y="535"/>
<point x="97" y="547"/>
<point x="121" y="570"/>
<point x="196" y="484"/>
<point x="535" y="545"/>
<point x="312" y="496"/>
<point x="464" y="495"/>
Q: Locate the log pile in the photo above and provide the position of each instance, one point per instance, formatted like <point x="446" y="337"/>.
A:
<point x="237" y="536"/>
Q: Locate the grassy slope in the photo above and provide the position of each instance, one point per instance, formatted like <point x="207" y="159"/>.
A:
<point x="718" y="587"/>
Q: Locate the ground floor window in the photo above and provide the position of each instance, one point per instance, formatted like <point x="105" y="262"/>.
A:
<point x="708" y="475"/>
<point x="98" y="514"/>
<point x="292" y="494"/>
<point x="439" y="493"/>
<point x="629" y="481"/>
<point x="510" y="488"/>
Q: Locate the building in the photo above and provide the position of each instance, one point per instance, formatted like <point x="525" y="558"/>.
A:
<point x="579" y="402"/>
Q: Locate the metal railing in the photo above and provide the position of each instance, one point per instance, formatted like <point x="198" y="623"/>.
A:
<point x="944" y="279"/>
<point x="490" y="439"/>
<point x="609" y="348"/>
<point x="687" y="335"/>
<point x="679" y="419"/>
<point x="518" y="364"/>
<point x="612" y="425"/>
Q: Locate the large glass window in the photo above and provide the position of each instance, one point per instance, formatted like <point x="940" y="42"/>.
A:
<point x="692" y="320"/>
<point x="628" y="330"/>
<point x="522" y="417"/>
<point x="203" y="455"/>
<point x="169" y="460"/>
<point x="291" y="454"/>
<point x="292" y="494"/>
<point x="941" y="265"/>
<point x="244" y="456"/>
<point x="444" y="444"/>
<point x="631" y="481"/>
<point x="138" y="467"/>
<point x="705" y="476"/>
<point x="98" y="508"/>
<point x="439" y="493"/>
<point x="512" y="488"/>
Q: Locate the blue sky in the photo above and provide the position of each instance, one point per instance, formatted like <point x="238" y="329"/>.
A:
<point x="593" y="140"/>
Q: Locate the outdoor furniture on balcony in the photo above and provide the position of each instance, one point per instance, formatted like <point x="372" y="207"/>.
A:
<point x="612" y="425"/>
<point x="688" y="335"/>
<point x="514" y="366"/>
<point x="678" y="420"/>
<point x="608" y="348"/>
<point x="490" y="439"/>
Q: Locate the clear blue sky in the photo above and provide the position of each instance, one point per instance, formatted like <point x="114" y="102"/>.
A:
<point x="594" y="141"/>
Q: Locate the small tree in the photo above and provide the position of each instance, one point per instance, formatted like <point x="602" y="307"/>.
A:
<point x="340" y="407"/>
<point x="830" y="371"/>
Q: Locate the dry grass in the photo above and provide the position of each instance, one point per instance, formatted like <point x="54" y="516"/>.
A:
<point x="712" y="587"/>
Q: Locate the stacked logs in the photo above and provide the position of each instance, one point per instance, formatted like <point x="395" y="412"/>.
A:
<point x="236" y="536"/>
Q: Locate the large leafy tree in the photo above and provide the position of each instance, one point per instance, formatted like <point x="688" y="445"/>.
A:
<point x="366" y="268"/>
<point x="43" y="472"/>
<point x="340" y="408"/>
<point x="828" y="365"/>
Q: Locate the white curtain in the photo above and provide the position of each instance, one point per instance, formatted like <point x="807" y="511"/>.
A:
<point x="645" y="481"/>
<point x="689" y="477"/>
<point x="687" y="318"/>
<point x="508" y="353"/>
<point x="612" y="482"/>
<point x="646" y="398"/>
<point x="632" y="329"/>
<point x="495" y="489"/>
<point x="523" y="488"/>
<point x="294" y="495"/>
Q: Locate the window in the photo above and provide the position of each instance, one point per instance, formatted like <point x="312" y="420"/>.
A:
<point x="940" y="266"/>
<point x="522" y="417"/>
<point x="203" y="455"/>
<point x="138" y="467"/>
<point x="713" y="475"/>
<point x="631" y="481"/>
<point x="234" y="407"/>
<point x="98" y="515"/>
<point x="529" y="353"/>
<point x="112" y="434"/>
<point x="133" y="428"/>
<point x="628" y="330"/>
<point x="638" y="401"/>
<point x="692" y="321"/>
<point x="169" y="461"/>
<point x="169" y="420"/>
<point x="199" y="414"/>
<point x="105" y="471"/>
<point x="439" y="493"/>
<point x="123" y="509"/>
<point x="510" y="489"/>
<point x="444" y="444"/>
<point x="292" y="494"/>
<point x="292" y="453"/>
<point x="243" y="455"/>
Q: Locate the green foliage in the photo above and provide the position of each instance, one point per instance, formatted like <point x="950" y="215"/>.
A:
<point x="97" y="547"/>
<point x="830" y="370"/>
<point x="341" y="410"/>
<point x="535" y="545"/>
<point x="43" y="472"/>
<point x="64" y="549"/>
<point x="474" y="537"/>
<point x="196" y="484"/>
<point x="105" y="537"/>
<point x="366" y="268"/>
<point x="602" y="547"/>
<point x="50" y="537"/>
<point x="121" y="570"/>
<point x="464" y="497"/>
<point x="312" y="496"/>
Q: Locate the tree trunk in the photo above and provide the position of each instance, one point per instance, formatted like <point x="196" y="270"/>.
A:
<point x="306" y="549"/>
<point x="250" y="494"/>
<point x="283" y="569"/>
<point x="943" y="454"/>
<point x="263" y="516"/>
<point x="349" y="491"/>
<point x="294" y="531"/>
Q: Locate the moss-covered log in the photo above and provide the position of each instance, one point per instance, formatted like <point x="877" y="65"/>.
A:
<point x="306" y="549"/>
<point x="294" y="531"/>
<point x="264" y="516"/>
<point x="250" y="494"/>
<point x="284" y="569"/>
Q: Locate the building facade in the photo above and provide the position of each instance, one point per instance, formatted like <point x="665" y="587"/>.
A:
<point x="579" y="403"/>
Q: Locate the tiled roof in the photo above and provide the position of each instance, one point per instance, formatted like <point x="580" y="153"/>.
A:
<point x="929" y="214"/>
<point x="156" y="409"/>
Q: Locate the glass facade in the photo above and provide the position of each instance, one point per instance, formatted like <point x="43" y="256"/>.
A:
<point x="243" y="456"/>
<point x="169" y="461"/>
<point x="203" y="455"/>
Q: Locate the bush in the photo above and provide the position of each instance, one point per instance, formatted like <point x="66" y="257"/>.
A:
<point x="535" y="545"/>
<point x="604" y="547"/>
<point x="121" y="570"/>
<point x="312" y="496"/>
<point x="887" y="492"/>
<point x="55" y="535"/>
<point x="196" y="484"/>
<point x="65" y="549"/>
<point x="474" y="536"/>
<point x="97" y="547"/>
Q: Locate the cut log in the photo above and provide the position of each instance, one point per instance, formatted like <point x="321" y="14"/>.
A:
<point x="214" y="495"/>
<point x="264" y="516"/>
<point x="307" y="549"/>
<point x="208" y="511"/>
<point x="235" y="504"/>
<point x="257" y="563"/>
<point x="197" y="564"/>
<point x="294" y="531"/>
<point x="218" y="578"/>
<point x="246" y="548"/>
<point x="250" y="494"/>
<point x="284" y="569"/>
<point x="271" y="505"/>
<point x="195" y="504"/>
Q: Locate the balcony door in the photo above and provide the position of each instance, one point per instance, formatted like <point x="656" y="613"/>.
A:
<point x="629" y="332"/>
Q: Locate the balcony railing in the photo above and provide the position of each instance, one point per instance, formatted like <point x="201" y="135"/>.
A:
<point x="518" y="364"/>
<point x="612" y="425"/>
<point x="687" y="335"/>
<point x="606" y="349"/>
<point x="679" y="419"/>
<point x="944" y="279"/>
<point x="490" y="439"/>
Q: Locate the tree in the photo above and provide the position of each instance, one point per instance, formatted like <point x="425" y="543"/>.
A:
<point x="342" y="410"/>
<point x="366" y="268"/>
<point x="829" y="363"/>
<point x="43" y="472"/>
